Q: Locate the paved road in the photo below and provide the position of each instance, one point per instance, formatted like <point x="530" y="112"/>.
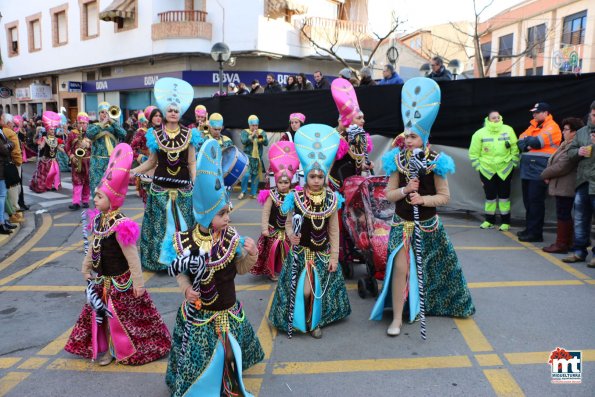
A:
<point x="528" y="303"/>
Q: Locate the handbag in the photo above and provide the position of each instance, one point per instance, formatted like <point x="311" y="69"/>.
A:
<point x="11" y="175"/>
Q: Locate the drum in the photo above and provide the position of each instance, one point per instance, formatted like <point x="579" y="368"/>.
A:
<point x="234" y="164"/>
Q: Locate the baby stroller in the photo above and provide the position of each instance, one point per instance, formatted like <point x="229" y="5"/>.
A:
<point x="367" y="216"/>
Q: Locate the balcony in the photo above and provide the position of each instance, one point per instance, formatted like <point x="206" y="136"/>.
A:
<point x="327" y="31"/>
<point x="186" y="24"/>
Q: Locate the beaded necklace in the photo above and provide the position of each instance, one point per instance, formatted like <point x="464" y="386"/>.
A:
<point x="402" y="162"/>
<point x="317" y="212"/>
<point x="103" y="226"/>
<point x="52" y="143"/>
<point x="169" y="143"/>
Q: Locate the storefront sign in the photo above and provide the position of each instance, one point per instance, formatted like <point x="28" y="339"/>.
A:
<point x="75" y="86"/>
<point x="40" y="92"/>
<point x="126" y="83"/>
<point x="23" y="94"/>
<point x="5" y="92"/>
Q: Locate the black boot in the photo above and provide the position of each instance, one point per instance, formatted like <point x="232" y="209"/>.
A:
<point x="4" y="229"/>
<point x="9" y="225"/>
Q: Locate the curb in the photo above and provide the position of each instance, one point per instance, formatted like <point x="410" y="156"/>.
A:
<point x="23" y="232"/>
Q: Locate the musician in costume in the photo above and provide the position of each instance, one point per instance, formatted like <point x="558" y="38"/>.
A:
<point x="273" y="244"/>
<point x="119" y="320"/>
<point x="445" y="291"/>
<point x="215" y="131"/>
<point x="200" y="116"/>
<point x="104" y="135"/>
<point x="78" y="148"/>
<point x="311" y="291"/>
<point x="173" y="159"/>
<point x="154" y="119"/>
<point x="356" y="144"/>
<point x="47" y="173"/>
<point x="213" y="341"/>
<point x="253" y="139"/>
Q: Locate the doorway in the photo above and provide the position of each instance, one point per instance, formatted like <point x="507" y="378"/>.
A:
<point x="72" y="109"/>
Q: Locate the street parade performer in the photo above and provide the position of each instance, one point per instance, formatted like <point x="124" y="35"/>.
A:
<point x="253" y="139"/>
<point x="273" y="244"/>
<point x="47" y="174"/>
<point x="104" y="135"/>
<point x="78" y="148"/>
<point x="215" y="130"/>
<point x="119" y="318"/>
<point x="213" y="341"/>
<point x="172" y="147"/>
<point x="154" y="119"/>
<point x="423" y="268"/>
<point x="200" y="115"/>
<point x="311" y="292"/>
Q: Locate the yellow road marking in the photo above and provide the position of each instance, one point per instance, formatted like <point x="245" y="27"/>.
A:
<point x="11" y="380"/>
<point x="240" y="205"/>
<point x="590" y="282"/>
<point x="39" y="263"/>
<point x="541" y="283"/>
<point x="542" y="357"/>
<point x="253" y="385"/>
<point x="56" y="346"/>
<point x="7" y="362"/>
<point x="267" y="333"/>
<point x="137" y="216"/>
<point x="147" y="275"/>
<point x="71" y="224"/>
<point x="475" y="339"/>
<point x="384" y="364"/>
<point x="470" y="248"/>
<point x="488" y="360"/>
<point x="503" y="383"/>
<point x="77" y="364"/>
<point x="43" y="229"/>
<point x="257" y="369"/>
<point x="550" y="258"/>
<point x="34" y="363"/>
<point x="44" y="249"/>
<point x="60" y="215"/>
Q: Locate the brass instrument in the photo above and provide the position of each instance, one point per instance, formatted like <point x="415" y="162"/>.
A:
<point x="114" y="112"/>
<point x="79" y="153"/>
<point x="205" y="128"/>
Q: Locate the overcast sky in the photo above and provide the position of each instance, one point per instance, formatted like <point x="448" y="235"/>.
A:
<point x="420" y="13"/>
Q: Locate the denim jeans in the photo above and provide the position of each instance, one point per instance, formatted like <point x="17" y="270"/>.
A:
<point x="2" y="199"/>
<point x="534" y="193"/>
<point x="584" y="204"/>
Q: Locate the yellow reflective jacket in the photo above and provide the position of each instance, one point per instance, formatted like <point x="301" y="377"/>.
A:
<point x="494" y="150"/>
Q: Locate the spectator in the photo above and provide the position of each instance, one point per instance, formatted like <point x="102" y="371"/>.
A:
<point x="366" y="79"/>
<point x="291" y="84"/>
<point x="560" y="175"/>
<point x="231" y="89"/>
<point x="5" y="149"/>
<point x="390" y="76"/>
<point x="256" y="87"/>
<point x="536" y="144"/>
<point x="242" y="90"/>
<point x="303" y="83"/>
<point x="12" y="166"/>
<point x="272" y="85"/>
<point x="347" y="74"/>
<point x="581" y="149"/>
<point x="321" y="83"/>
<point x="439" y="72"/>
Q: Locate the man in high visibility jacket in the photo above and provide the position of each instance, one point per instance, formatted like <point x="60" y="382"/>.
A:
<point x="536" y="144"/>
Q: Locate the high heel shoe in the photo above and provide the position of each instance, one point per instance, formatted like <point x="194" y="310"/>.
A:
<point x="4" y="229"/>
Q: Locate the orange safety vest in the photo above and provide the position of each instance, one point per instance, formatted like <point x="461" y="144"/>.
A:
<point x="548" y="133"/>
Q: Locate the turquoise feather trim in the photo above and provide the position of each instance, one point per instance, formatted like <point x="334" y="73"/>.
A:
<point x="340" y="200"/>
<point x="389" y="162"/>
<point x="168" y="252"/>
<point x="288" y="204"/>
<point x="151" y="141"/>
<point x="196" y="139"/>
<point x="444" y="165"/>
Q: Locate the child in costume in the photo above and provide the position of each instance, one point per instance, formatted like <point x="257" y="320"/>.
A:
<point x="273" y="244"/>
<point x="120" y="319"/>
<point x="319" y="297"/>
<point x="213" y="342"/>
<point x="444" y="286"/>
<point x="47" y="174"/>
<point x="253" y="139"/>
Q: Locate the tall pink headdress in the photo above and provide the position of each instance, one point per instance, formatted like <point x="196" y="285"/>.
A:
<point x="346" y="100"/>
<point x="115" y="179"/>
<point x="284" y="159"/>
<point x="18" y="121"/>
<point x="51" y="119"/>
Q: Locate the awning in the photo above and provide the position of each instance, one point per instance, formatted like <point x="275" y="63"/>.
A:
<point x="118" y="9"/>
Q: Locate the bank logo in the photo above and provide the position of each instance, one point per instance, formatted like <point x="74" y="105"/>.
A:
<point x="566" y="366"/>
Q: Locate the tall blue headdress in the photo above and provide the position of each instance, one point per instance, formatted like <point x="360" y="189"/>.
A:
<point x="316" y="146"/>
<point x="209" y="195"/>
<point x="175" y="92"/>
<point x="420" y="102"/>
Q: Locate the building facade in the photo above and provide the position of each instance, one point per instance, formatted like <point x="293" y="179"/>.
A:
<point x="540" y="37"/>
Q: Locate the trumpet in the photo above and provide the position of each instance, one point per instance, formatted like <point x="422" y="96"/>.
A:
<point x="114" y="112"/>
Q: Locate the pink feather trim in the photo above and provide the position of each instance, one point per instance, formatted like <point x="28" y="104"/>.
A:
<point x="343" y="149"/>
<point x="370" y="143"/>
<point x="262" y="196"/>
<point x="298" y="188"/>
<point x="127" y="232"/>
<point x="91" y="214"/>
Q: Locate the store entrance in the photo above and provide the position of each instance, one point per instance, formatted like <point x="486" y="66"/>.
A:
<point x="72" y="109"/>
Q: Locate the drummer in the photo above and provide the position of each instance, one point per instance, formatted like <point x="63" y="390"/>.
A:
<point x="215" y="129"/>
<point x="253" y="139"/>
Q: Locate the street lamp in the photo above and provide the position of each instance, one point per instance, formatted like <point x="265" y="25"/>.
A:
<point x="220" y="53"/>
<point x="424" y="70"/>
<point x="456" y="67"/>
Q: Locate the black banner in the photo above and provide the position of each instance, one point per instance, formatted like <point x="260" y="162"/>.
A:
<point x="465" y="104"/>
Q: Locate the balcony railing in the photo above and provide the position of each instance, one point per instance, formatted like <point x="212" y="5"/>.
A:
<point x="183" y="16"/>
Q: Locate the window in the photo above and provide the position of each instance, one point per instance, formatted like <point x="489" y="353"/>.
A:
<point x="12" y="38"/>
<point x="505" y="46"/>
<point x="573" y="29"/>
<point x="536" y="40"/>
<point x="34" y="35"/>
<point x="123" y="24"/>
<point x="538" y="71"/>
<point x="506" y="74"/>
<point x="486" y="52"/>
<point x="90" y="76"/>
<point x="106" y="71"/>
<point x="59" y="25"/>
<point x="89" y="19"/>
